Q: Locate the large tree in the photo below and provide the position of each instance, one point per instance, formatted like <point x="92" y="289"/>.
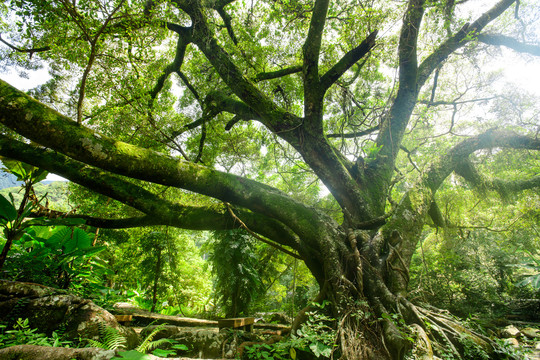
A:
<point x="157" y="97"/>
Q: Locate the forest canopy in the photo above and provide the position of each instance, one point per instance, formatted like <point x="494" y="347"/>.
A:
<point x="344" y="133"/>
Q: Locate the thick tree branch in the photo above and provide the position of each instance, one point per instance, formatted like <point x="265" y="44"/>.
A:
<point x="412" y="77"/>
<point x="124" y="223"/>
<point x="463" y="36"/>
<point x="29" y="51"/>
<point x="393" y="126"/>
<point x="436" y="215"/>
<point x="158" y="210"/>
<point x="456" y="156"/>
<point x="348" y="60"/>
<point x="305" y="135"/>
<point x="504" y="187"/>
<point x="201" y="144"/>
<point x="356" y="134"/>
<point x="228" y="24"/>
<point x="215" y="103"/>
<point x="174" y="66"/>
<point x="276" y="119"/>
<point x="236" y="119"/>
<point x="94" y="179"/>
<point x="278" y="73"/>
<point x="313" y="92"/>
<point x="417" y="203"/>
<point x="312" y="45"/>
<point x="46" y="127"/>
<point x="507" y="41"/>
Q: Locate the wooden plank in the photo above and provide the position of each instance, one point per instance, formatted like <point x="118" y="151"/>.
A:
<point x="246" y="323"/>
<point x="124" y="319"/>
<point x="143" y="320"/>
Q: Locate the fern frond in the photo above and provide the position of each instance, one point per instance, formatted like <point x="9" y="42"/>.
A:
<point x="111" y="339"/>
<point x="156" y="343"/>
<point x="95" y="343"/>
<point x="145" y="345"/>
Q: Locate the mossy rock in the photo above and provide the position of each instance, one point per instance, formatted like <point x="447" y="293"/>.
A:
<point x="48" y="309"/>
<point x="34" y="352"/>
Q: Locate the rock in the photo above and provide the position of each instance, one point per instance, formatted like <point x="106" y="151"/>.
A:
<point x="531" y="333"/>
<point x="168" y="332"/>
<point x="34" y="352"/>
<point x="512" y="341"/>
<point x="537" y="346"/>
<point x="202" y="343"/>
<point x="49" y="309"/>
<point x="208" y="343"/>
<point x="510" y="332"/>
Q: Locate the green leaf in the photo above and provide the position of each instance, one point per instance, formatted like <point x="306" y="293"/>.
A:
<point x="163" y="353"/>
<point x="57" y="239"/>
<point x="79" y="240"/>
<point x="25" y="172"/>
<point x="292" y="352"/>
<point x="70" y="239"/>
<point x="17" y="168"/>
<point x="319" y="349"/>
<point x="534" y="280"/>
<point x="7" y="210"/>
<point x="180" y="347"/>
<point x="94" y="250"/>
<point x="38" y="175"/>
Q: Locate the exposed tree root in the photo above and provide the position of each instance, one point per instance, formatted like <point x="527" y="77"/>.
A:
<point x="355" y="338"/>
<point x="414" y="332"/>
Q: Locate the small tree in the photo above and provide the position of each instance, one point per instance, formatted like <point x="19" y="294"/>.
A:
<point x="235" y="266"/>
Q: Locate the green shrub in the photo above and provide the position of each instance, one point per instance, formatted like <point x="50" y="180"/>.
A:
<point x="21" y="334"/>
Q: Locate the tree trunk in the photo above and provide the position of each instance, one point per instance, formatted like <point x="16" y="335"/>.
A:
<point x="156" y="280"/>
<point x="5" y="250"/>
<point x="374" y="319"/>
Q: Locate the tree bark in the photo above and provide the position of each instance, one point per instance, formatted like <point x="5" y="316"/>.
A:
<point x="156" y="279"/>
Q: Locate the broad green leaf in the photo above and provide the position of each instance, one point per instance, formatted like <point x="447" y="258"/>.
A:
<point x="79" y="240"/>
<point x="180" y="347"/>
<point x="61" y="235"/>
<point x="163" y="353"/>
<point x="91" y="251"/>
<point x="7" y="210"/>
<point x="70" y="239"/>
<point x="25" y="171"/>
<point x="38" y="175"/>
<point x="17" y="168"/>
<point x="292" y="352"/>
<point x="534" y="280"/>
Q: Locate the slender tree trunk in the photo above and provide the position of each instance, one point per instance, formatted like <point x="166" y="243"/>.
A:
<point x="156" y="280"/>
<point x="12" y="233"/>
<point x="5" y="250"/>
